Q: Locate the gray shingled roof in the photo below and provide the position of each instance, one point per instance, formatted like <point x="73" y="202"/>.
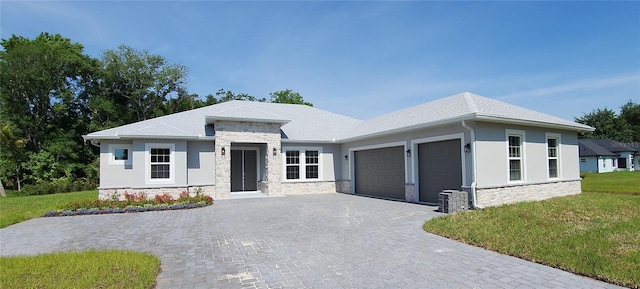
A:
<point x="301" y="122"/>
<point x="615" y="146"/>
<point x="589" y="148"/>
<point x="462" y="106"/>
<point x="308" y="124"/>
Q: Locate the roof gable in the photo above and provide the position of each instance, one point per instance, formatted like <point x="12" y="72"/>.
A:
<point x="462" y="106"/>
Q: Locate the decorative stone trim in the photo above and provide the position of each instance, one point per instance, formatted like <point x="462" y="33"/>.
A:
<point x="174" y="192"/>
<point x="308" y="188"/>
<point x="410" y="193"/>
<point x="268" y="134"/>
<point x="343" y="186"/>
<point x="536" y="192"/>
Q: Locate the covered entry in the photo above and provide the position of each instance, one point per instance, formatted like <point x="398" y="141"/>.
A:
<point x="244" y="170"/>
<point x="380" y="172"/>
<point x="439" y="168"/>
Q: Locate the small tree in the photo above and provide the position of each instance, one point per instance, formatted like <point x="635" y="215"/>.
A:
<point x="288" y="96"/>
<point x="11" y="148"/>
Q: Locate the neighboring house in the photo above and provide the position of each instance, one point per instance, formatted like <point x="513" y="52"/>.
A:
<point x="605" y="155"/>
<point x="499" y="153"/>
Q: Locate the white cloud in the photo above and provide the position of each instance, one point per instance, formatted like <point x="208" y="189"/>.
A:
<point x="576" y="86"/>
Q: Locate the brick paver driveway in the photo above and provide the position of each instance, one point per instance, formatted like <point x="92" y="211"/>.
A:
<point x="313" y="241"/>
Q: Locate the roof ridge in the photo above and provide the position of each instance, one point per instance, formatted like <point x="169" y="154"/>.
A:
<point x="471" y="104"/>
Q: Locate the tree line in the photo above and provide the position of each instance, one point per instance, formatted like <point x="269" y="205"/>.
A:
<point x="622" y="127"/>
<point x="52" y="93"/>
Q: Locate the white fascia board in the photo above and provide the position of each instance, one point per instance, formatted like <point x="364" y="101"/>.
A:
<point x="211" y="119"/>
<point x="143" y="137"/>
<point x="498" y="119"/>
<point x="308" y="141"/>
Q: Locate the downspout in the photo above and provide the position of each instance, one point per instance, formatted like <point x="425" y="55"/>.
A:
<point x="474" y="168"/>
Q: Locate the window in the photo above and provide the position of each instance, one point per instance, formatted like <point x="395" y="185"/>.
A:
<point x="302" y="163"/>
<point x="160" y="163"/>
<point x="583" y="160"/>
<point x="552" y="156"/>
<point x="311" y="161"/>
<point x="293" y="165"/>
<point x="119" y="154"/>
<point x="514" y="142"/>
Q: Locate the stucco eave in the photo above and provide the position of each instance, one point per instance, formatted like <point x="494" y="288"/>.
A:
<point x="443" y="122"/>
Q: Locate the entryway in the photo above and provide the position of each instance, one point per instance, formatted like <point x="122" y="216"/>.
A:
<point x="244" y="170"/>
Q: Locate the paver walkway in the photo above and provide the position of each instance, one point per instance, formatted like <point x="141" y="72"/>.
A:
<point x="313" y="241"/>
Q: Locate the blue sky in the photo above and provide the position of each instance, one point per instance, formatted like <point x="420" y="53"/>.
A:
<point x="364" y="59"/>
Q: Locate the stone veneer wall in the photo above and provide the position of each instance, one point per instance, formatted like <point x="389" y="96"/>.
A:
<point x="410" y="193"/>
<point x="107" y="194"/>
<point x="228" y="132"/>
<point x="343" y="186"/>
<point x="308" y="188"/>
<point x="507" y="195"/>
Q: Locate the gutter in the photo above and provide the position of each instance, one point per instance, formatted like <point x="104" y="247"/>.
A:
<point x="472" y="132"/>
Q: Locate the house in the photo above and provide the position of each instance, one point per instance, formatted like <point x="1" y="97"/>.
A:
<point x="499" y="153"/>
<point x="605" y="155"/>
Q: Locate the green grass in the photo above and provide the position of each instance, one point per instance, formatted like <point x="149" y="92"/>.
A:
<point x="614" y="182"/>
<point x="16" y="209"/>
<point x="592" y="234"/>
<point x="89" y="269"/>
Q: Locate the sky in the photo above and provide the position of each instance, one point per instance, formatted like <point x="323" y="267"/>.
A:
<point x="363" y="58"/>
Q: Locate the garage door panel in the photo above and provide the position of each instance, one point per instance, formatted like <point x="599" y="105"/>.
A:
<point x="439" y="168"/>
<point x="380" y="172"/>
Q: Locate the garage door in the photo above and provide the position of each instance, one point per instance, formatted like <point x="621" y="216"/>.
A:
<point x="380" y="172"/>
<point x="440" y="168"/>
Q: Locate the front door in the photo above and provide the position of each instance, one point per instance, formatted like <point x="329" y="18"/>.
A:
<point x="244" y="172"/>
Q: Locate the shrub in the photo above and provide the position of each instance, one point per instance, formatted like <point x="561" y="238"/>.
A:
<point x="164" y="199"/>
<point x="61" y="186"/>
<point x="160" y="203"/>
<point x="135" y="197"/>
<point x="183" y="196"/>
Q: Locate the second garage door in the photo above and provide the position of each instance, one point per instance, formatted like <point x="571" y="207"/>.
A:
<point x="440" y="168"/>
<point x="380" y="172"/>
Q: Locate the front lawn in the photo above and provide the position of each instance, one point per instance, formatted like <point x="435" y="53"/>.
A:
<point x="614" y="182"/>
<point x="16" y="209"/>
<point x="592" y="234"/>
<point x="90" y="269"/>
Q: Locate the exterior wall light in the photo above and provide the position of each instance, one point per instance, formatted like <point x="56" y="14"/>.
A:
<point x="275" y="151"/>
<point x="467" y="148"/>
<point x="409" y="152"/>
<point x="346" y="157"/>
<point x="223" y="151"/>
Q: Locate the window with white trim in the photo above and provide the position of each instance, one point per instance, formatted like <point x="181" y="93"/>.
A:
<point x="302" y="164"/>
<point x="119" y="154"/>
<point x="293" y="164"/>
<point x="515" y="156"/>
<point x="160" y="162"/>
<point x="311" y="164"/>
<point x="552" y="156"/>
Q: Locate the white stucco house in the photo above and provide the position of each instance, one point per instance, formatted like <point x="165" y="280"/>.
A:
<point x="605" y="155"/>
<point x="498" y="152"/>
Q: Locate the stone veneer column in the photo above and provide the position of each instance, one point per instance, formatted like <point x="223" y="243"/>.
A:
<point x="228" y="132"/>
<point x="223" y="168"/>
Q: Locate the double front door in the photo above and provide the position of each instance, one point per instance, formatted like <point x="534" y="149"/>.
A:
<point x="244" y="170"/>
